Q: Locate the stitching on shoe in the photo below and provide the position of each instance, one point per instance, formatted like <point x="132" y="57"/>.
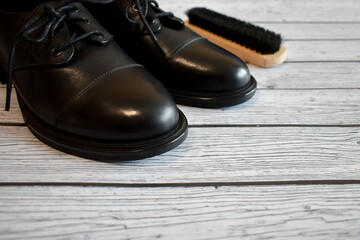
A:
<point x="68" y="104"/>
<point x="184" y="46"/>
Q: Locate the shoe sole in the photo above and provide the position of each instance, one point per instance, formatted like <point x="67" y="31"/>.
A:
<point x="103" y="150"/>
<point x="215" y="100"/>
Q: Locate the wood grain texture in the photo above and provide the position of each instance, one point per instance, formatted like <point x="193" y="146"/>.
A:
<point x="314" y="75"/>
<point x="275" y="10"/>
<point x="276" y="212"/>
<point x="312" y="103"/>
<point x="274" y="107"/>
<point x="208" y="155"/>
<point x="299" y="51"/>
<point x="323" y="51"/>
<point x="333" y="75"/>
<point x="288" y="107"/>
<point x="330" y="75"/>
<point x="13" y="117"/>
<point x="315" y="31"/>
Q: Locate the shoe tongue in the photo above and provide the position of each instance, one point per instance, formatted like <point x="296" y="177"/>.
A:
<point x="171" y="21"/>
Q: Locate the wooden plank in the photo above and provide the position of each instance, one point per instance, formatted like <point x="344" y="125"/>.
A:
<point x="323" y="51"/>
<point x="305" y="51"/>
<point x="274" y="10"/>
<point x="288" y="107"/>
<point x="274" y="107"/>
<point x="303" y="75"/>
<point x="272" y="212"/>
<point x="308" y="76"/>
<point x="208" y="155"/>
<point x="328" y="53"/>
<point x="315" y="31"/>
<point x="13" y="117"/>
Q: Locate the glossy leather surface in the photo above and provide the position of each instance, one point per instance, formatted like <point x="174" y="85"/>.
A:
<point x="191" y="64"/>
<point x="92" y="89"/>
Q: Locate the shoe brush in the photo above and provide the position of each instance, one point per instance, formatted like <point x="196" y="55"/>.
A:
<point x="253" y="44"/>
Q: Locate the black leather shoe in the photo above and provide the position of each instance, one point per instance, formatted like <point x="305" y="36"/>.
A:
<point x="78" y="91"/>
<point x="195" y="71"/>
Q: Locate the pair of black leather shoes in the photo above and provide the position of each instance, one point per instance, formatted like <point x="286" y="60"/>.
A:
<point x="81" y="93"/>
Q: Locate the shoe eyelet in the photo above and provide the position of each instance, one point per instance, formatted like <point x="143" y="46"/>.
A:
<point x="77" y="10"/>
<point x="87" y="21"/>
<point x="134" y="8"/>
<point x="56" y="53"/>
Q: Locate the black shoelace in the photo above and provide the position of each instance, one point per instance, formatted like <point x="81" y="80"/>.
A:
<point x="142" y="7"/>
<point x="49" y="23"/>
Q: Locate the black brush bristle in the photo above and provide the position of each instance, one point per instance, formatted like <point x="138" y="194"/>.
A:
<point x="244" y="33"/>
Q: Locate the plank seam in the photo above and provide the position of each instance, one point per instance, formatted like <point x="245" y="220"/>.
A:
<point x="273" y="125"/>
<point x="235" y="125"/>
<point x="303" y="22"/>
<point x="284" y="89"/>
<point x="320" y="39"/>
<point x="323" y="61"/>
<point x="8" y="124"/>
<point x="183" y="185"/>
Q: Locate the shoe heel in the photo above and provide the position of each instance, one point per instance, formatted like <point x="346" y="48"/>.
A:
<point x="2" y="75"/>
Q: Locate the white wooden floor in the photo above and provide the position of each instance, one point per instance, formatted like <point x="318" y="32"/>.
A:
<point x="285" y="165"/>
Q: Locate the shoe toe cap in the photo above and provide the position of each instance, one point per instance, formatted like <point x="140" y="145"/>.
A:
<point x="127" y="106"/>
<point x="206" y="67"/>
